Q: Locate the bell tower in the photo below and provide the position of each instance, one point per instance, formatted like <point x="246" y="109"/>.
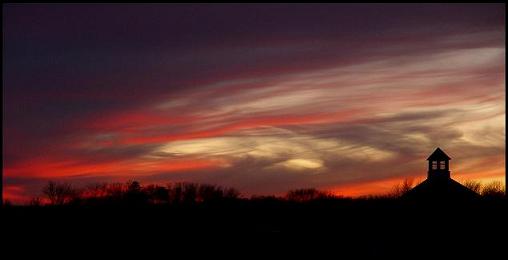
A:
<point x="439" y="166"/>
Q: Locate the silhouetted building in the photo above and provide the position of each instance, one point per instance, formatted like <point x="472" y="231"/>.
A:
<point x="439" y="185"/>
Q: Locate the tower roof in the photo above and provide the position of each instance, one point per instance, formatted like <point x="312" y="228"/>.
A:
<point x="438" y="154"/>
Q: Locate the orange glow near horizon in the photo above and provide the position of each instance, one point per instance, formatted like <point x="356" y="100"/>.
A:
<point x="16" y="193"/>
<point x="385" y="186"/>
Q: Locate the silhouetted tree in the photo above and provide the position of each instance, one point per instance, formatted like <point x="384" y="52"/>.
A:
<point x="134" y="194"/>
<point x="402" y="188"/>
<point x="96" y="190"/>
<point x="475" y="186"/>
<point x="157" y="194"/>
<point x="302" y="195"/>
<point x="189" y="192"/>
<point x="35" y="202"/>
<point x="175" y="193"/>
<point x="133" y="186"/>
<point x="208" y="193"/>
<point x="493" y="189"/>
<point x="116" y="190"/>
<point x="231" y="193"/>
<point x="59" y="193"/>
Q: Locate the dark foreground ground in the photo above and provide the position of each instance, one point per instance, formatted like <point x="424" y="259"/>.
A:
<point x="361" y="228"/>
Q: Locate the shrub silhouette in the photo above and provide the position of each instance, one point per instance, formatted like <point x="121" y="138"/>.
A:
<point x="212" y="193"/>
<point x="96" y="190"/>
<point x="116" y="191"/>
<point x="309" y="194"/>
<point x="493" y="189"/>
<point x="35" y="202"/>
<point x="402" y="188"/>
<point x="231" y="193"/>
<point x="134" y="194"/>
<point x="189" y="192"/>
<point x="175" y="193"/>
<point x="209" y="193"/>
<point x="475" y="186"/>
<point x="157" y="194"/>
<point x="133" y="187"/>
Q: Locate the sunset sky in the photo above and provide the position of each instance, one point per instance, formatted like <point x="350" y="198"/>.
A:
<point x="264" y="98"/>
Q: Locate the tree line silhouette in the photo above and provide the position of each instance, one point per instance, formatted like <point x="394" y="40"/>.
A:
<point x="133" y="193"/>
<point x="135" y="211"/>
<point x="187" y="193"/>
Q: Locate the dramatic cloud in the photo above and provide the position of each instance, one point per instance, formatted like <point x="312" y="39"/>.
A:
<point x="349" y="98"/>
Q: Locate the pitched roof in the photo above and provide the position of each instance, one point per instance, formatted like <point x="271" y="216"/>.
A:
<point x="438" y="154"/>
<point x="441" y="189"/>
